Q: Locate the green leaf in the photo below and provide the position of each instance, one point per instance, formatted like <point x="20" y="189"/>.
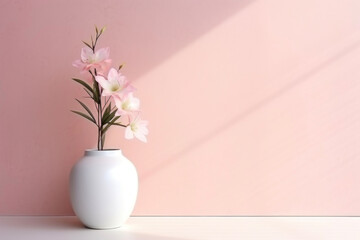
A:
<point x="96" y="92"/>
<point x="109" y="117"/>
<point x="96" y="30"/>
<point x="83" y="83"/>
<point x="107" y="111"/>
<point x="86" y="108"/>
<point x="89" y="93"/>
<point x="92" y="41"/>
<point x="112" y="122"/>
<point x="102" y="30"/>
<point x="87" y="44"/>
<point x="118" y="124"/>
<point x="84" y="115"/>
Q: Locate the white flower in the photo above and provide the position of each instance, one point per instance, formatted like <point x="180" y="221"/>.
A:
<point x="116" y="84"/>
<point x="138" y="129"/>
<point x="99" y="60"/>
<point x="127" y="104"/>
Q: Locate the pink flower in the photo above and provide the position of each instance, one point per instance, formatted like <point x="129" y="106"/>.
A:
<point x="99" y="60"/>
<point x="138" y="129"/>
<point x="115" y="85"/>
<point x="127" y="105"/>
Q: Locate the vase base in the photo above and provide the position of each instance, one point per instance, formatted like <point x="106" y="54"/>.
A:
<point x="102" y="228"/>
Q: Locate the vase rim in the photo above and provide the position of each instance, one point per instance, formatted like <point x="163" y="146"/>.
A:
<point x="107" y="152"/>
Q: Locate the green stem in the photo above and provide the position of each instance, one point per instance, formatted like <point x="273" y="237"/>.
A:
<point x="99" y="107"/>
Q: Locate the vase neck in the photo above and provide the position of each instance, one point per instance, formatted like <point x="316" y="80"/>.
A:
<point x="106" y="152"/>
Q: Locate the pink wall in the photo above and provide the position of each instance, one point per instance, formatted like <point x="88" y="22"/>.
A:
<point x="254" y="106"/>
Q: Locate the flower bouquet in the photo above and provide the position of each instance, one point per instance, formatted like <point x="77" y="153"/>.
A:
<point x="111" y="93"/>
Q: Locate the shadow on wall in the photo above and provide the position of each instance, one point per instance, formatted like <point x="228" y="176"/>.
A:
<point x="267" y="100"/>
<point x="38" y="158"/>
<point x="164" y="28"/>
<point x="158" y="29"/>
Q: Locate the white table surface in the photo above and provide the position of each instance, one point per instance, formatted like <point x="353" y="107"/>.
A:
<point x="184" y="228"/>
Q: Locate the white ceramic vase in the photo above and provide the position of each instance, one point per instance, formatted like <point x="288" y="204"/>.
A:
<point x="103" y="188"/>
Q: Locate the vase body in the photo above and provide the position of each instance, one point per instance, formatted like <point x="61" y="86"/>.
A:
<point x="103" y="189"/>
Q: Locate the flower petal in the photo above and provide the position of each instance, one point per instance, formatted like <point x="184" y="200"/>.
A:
<point x="78" y="64"/>
<point x="106" y="93"/>
<point x="113" y="75"/>
<point x="127" y="90"/>
<point x="134" y="104"/>
<point x="140" y="136"/>
<point x="129" y="134"/>
<point x="103" y="67"/>
<point x="103" y="82"/>
<point x="143" y="130"/>
<point x="86" y="54"/>
<point x="118" y="103"/>
<point x="102" y="54"/>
